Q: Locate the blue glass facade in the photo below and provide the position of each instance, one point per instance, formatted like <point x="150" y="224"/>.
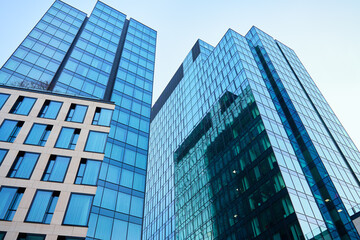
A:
<point x="38" y="58"/>
<point x="209" y="144"/>
<point x="103" y="56"/>
<point x="88" y="68"/>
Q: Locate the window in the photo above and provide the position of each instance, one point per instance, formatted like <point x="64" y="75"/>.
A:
<point x="23" y="165"/>
<point x="88" y="172"/>
<point x="3" y="98"/>
<point x="78" y="210"/>
<point x="139" y="182"/>
<point x="23" y="105"/>
<point x="9" y="201"/>
<point x="3" y="153"/>
<point x="96" y="142"/>
<point x="27" y="236"/>
<point x="56" y="169"/>
<point x="102" y="117"/>
<point x="43" y="207"/>
<point x="39" y="134"/>
<point x="69" y="238"/>
<point x="76" y="113"/>
<point x="134" y="231"/>
<point x="68" y="138"/>
<point x="2" y="235"/>
<point x="9" y="130"/>
<point x="50" y="109"/>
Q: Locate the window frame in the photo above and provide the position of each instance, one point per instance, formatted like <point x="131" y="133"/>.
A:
<point x="84" y="161"/>
<point x="15" y="131"/>
<point x="73" y="106"/>
<point x="98" y="113"/>
<point x="25" y="235"/>
<point x="19" y="194"/>
<point x="45" y="134"/>
<point x="7" y="98"/>
<point x="15" y="163"/>
<point x="87" y="140"/>
<point x="76" y="131"/>
<point x="47" y="104"/>
<point x="49" y="204"/>
<point x="6" y="152"/>
<point x="67" y="208"/>
<point x="69" y="238"/>
<point x="18" y="103"/>
<point x="53" y="158"/>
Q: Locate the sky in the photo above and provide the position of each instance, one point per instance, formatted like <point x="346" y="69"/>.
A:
<point x="325" y="34"/>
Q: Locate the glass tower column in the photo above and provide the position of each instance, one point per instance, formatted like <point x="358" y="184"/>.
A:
<point x="88" y="68"/>
<point x="37" y="59"/>
<point x="118" y="205"/>
<point x="318" y="171"/>
<point x="103" y="56"/>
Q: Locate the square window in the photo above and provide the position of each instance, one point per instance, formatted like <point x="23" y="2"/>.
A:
<point x="43" y="207"/>
<point x="9" y="201"/>
<point x="3" y="98"/>
<point x="50" y="109"/>
<point x="78" y="210"/>
<point x="96" y="142"/>
<point x="27" y="236"/>
<point x="56" y="169"/>
<point x="3" y="153"/>
<point x="102" y="117"/>
<point x="9" y="130"/>
<point x="23" y="165"/>
<point x="38" y="134"/>
<point x="23" y="105"/>
<point x="69" y="238"/>
<point x="76" y="113"/>
<point x="68" y="138"/>
<point x="88" y="172"/>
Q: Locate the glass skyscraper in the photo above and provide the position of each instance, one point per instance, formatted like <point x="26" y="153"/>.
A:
<point x="244" y="146"/>
<point x="104" y="56"/>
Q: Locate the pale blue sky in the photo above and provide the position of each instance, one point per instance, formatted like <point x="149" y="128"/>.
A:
<point x="324" y="33"/>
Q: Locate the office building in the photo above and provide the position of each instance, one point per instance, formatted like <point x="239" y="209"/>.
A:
<point x="52" y="146"/>
<point x="103" y="57"/>
<point x="244" y="146"/>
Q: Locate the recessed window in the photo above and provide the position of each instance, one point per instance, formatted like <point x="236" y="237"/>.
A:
<point x="28" y="236"/>
<point x="76" y="113"/>
<point x="2" y="235"/>
<point x="78" y="210"/>
<point x="96" y="142"/>
<point x="68" y="138"/>
<point x="43" y="206"/>
<point x="102" y="117"/>
<point x="3" y="99"/>
<point x="3" y="153"/>
<point x="50" y="109"/>
<point x="88" y="172"/>
<point x="23" y="165"/>
<point x="9" y="201"/>
<point x="56" y="169"/>
<point x="23" y="105"/>
<point x="69" y="238"/>
<point x="39" y="134"/>
<point x="9" y="130"/>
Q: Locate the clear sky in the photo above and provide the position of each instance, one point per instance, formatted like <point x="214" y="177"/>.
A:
<point x="325" y="34"/>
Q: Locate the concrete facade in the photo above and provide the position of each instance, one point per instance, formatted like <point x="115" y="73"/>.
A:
<point x="55" y="228"/>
